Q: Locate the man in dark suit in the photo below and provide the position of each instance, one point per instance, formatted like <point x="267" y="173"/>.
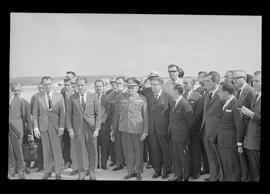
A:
<point x="201" y="76"/>
<point x="230" y="135"/>
<point x="65" y="137"/>
<point x="252" y="140"/>
<point x="49" y="121"/>
<point x="244" y="95"/>
<point x="194" y="151"/>
<point x="103" y="140"/>
<point x="84" y="119"/>
<point x="180" y="126"/>
<point x="116" y="135"/>
<point x="202" y="91"/>
<point x="159" y="115"/>
<point x="39" y="162"/>
<point x="111" y="144"/>
<point x="212" y="108"/>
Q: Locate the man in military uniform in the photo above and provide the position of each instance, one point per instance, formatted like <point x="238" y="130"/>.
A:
<point x="133" y="123"/>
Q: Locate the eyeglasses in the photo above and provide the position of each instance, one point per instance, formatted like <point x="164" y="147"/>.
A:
<point x="172" y="71"/>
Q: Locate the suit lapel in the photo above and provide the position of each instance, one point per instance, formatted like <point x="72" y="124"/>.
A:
<point x="213" y="99"/>
<point x="243" y="94"/>
<point x="77" y="101"/>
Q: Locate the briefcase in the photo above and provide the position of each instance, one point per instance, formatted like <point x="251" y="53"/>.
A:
<point x="30" y="151"/>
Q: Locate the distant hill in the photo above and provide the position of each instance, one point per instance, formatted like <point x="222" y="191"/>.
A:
<point x="34" y="80"/>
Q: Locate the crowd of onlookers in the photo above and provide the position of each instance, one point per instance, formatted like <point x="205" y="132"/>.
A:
<point x="172" y="126"/>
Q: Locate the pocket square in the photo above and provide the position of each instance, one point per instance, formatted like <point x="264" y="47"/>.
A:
<point x="227" y="110"/>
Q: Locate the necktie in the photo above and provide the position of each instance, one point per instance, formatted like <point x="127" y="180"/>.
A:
<point x="49" y="101"/>
<point x="83" y="102"/>
<point x="238" y="94"/>
<point x="185" y="95"/>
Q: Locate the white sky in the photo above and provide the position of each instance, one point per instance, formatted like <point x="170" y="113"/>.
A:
<point x="132" y="44"/>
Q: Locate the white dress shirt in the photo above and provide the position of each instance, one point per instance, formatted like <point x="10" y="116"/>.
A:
<point x="214" y="91"/>
<point x="177" y="100"/>
<point x="158" y="95"/>
<point x="84" y="97"/>
<point x="189" y="93"/>
<point x="47" y="99"/>
<point x="227" y="102"/>
<point x="241" y="89"/>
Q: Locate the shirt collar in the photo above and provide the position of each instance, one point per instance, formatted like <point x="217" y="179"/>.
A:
<point x="158" y="95"/>
<point x="214" y="91"/>
<point x="189" y="93"/>
<point x="228" y="102"/>
<point x="241" y="89"/>
<point x="50" y="93"/>
<point x="178" y="99"/>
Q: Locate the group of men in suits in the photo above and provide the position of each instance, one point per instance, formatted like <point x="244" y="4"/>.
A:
<point x="214" y="129"/>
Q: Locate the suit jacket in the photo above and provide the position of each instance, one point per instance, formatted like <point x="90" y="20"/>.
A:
<point x="212" y="110"/>
<point x="253" y="135"/>
<point x="105" y="112"/>
<point x="27" y="117"/>
<point x="201" y="90"/>
<point x="245" y="99"/>
<point x="194" y="101"/>
<point x="33" y="98"/>
<point x="231" y="126"/>
<point x="90" y="115"/>
<point x="17" y="114"/>
<point x="66" y="97"/>
<point x="159" y="113"/>
<point x="42" y="115"/>
<point x="181" y="121"/>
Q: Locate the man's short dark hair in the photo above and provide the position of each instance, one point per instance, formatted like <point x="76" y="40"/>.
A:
<point x="179" y="88"/>
<point x="158" y="79"/>
<point x="180" y="70"/>
<point x="67" y="79"/>
<point x="204" y="73"/>
<point x="46" y="78"/>
<point x="99" y="80"/>
<point x="82" y="78"/>
<point x="227" y="87"/>
<point x="71" y="72"/>
<point x="214" y="76"/>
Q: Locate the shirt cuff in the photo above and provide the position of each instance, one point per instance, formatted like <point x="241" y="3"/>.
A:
<point x="61" y="129"/>
<point x="70" y="130"/>
<point x="36" y="129"/>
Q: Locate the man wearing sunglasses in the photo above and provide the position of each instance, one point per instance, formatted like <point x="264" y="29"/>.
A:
<point x="176" y="77"/>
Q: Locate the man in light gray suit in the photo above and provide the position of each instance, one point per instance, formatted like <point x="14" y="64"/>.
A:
<point x="49" y="121"/>
<point x="84" y="120"/>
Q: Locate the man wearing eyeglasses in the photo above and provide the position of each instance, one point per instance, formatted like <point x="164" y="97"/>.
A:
<point x="176" y="77"/>
<point x="244" y="95"/>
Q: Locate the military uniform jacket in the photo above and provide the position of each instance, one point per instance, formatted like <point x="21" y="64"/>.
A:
<point x="133" y="114"/>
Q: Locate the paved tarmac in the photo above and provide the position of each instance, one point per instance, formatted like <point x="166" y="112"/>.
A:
<point x="107" y="175"/>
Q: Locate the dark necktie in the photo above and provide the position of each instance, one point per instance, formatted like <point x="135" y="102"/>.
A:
<point x="49" y="101"/>
<point x="238" y="94"/>
<point x="82" y="102"/>
<point x="186" y="95"/>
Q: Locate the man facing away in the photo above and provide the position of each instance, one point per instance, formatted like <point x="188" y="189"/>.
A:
<point x="84" y="120"/>
<point x="49" y="121"/>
